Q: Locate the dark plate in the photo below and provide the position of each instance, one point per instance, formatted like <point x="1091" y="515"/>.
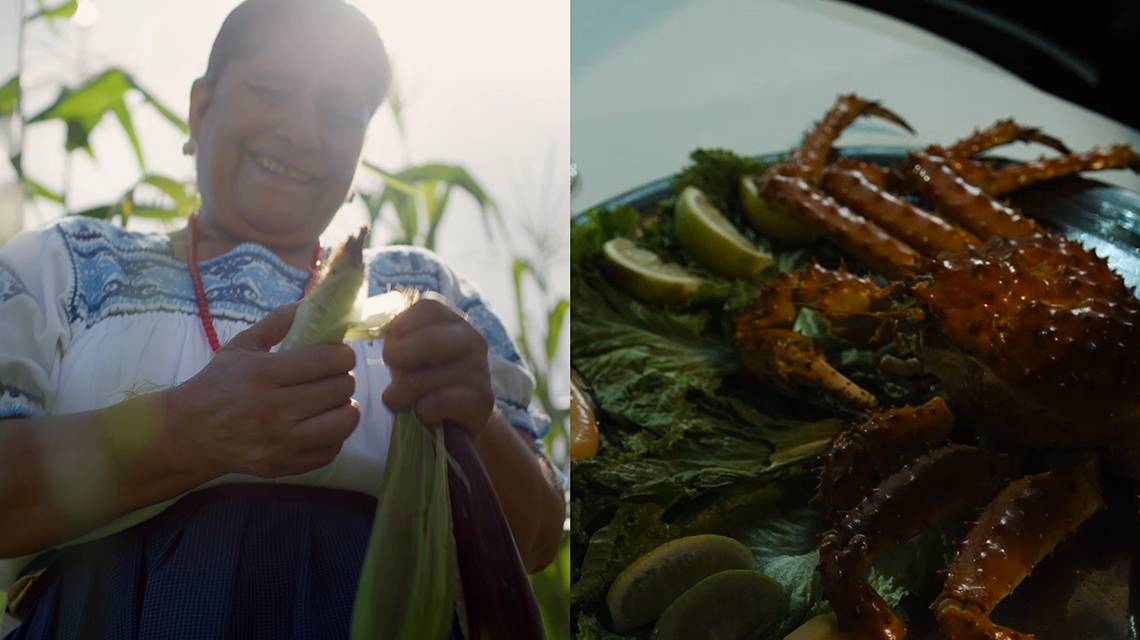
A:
<point x="1081" y="591"/>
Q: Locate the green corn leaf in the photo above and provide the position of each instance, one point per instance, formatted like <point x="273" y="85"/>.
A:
<point x="554" y="323"/>
<point x="62" y="10"/>
<point x="402" y="195"/>
<point x="156" y="213"/>
<point x="185" y="202"/>
<point x="430" y="184"/>
<point x="436" y="196"/>
<point x="552" y="590"/>
<point x="36" y="190"/>
<point x="163" y="110"/>
<point x="124" y="118"/>
<point x="391" y="179"/>
<point x="407" y="215"/>
<point x="84" y="107"/>
<point x="102" y="212"/>
<point x="125" y="208"/>
<point x="519" y="267"/>
<point x="459" y="177"/>
<point x="10" y="96"/>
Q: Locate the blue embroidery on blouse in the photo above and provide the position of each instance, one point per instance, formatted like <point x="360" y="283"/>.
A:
<point x="19" y="412"/>
<point x="10" y="284"/>
<point x="120" y="272"/>
<point x="17" y="393"/>
<point x="412" y="267"/>
<point x="20" y="401"/>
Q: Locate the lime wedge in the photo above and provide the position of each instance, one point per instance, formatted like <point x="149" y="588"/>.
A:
<point x="653" y="581"/>
<point x="710" y="238"/>
<point x="772" y="221"/>
<point x="821" y="627"/>
<point x="644" y="276"/>
<point x="730" y="605"/>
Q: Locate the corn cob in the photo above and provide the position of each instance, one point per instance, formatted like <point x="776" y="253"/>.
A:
<point x="330" y="308"/>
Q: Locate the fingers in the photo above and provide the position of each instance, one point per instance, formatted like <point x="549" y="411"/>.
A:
<point x="307" y="364"/>
<point x="408" y="386"/>
<point x="268" y="331"/>
<point x="314" y="398"/>
<point x="433" y="344"/>
<point x="462" y="405"/>
<point x="328" y="429"/>
<point x="429" y="309"/>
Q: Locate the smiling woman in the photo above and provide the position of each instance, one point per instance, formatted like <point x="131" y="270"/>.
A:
<point x="279" y="127"/>
<point x="147" y="412"/>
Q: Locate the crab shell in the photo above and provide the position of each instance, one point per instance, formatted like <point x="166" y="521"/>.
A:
<point x="1037" y="341"/>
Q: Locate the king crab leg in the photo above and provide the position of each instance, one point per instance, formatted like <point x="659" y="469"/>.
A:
<point x="1000" y="133"/>
<point x="864" y="239"/>
<point x="1018" y="528"/>
<point x="1005" y="180"/>
<point x="876" y="446"/>
<point x="912" y="224"/>
<point x="808" y="160"/>
<point x="965" y="204"/>
<point x="876" y="174"/>
<point x="945" y="482"/>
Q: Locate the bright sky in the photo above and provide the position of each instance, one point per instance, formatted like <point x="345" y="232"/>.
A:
<point x="486" y="85"/>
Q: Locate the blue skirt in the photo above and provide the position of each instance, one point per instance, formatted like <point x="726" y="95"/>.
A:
<point x="240" y="562"/>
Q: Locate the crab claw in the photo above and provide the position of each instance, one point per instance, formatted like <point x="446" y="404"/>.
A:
<point x="789" y="361"/>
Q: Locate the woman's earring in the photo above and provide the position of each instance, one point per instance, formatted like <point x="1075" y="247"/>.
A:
<point x="190" y="148"/>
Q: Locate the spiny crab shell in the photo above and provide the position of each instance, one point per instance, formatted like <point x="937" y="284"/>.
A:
<point x="1038" y="341"/>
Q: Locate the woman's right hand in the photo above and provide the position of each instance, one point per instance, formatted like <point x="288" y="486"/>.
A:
<point x="265" y="414"/>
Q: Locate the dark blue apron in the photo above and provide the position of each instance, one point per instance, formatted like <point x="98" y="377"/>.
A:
<point x="234" y="562"/>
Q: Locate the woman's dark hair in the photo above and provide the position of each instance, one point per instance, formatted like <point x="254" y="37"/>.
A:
<point x="244" y="27"/>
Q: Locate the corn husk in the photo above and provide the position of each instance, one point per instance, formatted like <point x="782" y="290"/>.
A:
<point x="440" y="543"/>
<point x="332" y="306"/>
<point x="409" y="581"/>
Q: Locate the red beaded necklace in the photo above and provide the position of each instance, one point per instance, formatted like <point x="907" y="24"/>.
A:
<point x="200" y="291"/>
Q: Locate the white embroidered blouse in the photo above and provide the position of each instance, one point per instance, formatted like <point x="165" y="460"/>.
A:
<point x="90" y="312"/>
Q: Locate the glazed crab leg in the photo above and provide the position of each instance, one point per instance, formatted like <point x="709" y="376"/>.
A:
<point x="1004" y="180"/>
<point x="977" y="211"/>
<point x="945" y="482"/>
<point x="1019" y="527"/>
<point x="808" y="160"/>
<point x="865" y="240"/>
<point x="876" y="174"/>
<point x="998" y="181"/>
<point x="877" y="446"/>
<point x="1000" y="133"/>
<point x="912" y="224"/>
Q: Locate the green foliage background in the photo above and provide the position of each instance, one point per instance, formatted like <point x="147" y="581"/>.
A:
<point x="416" y="197"/>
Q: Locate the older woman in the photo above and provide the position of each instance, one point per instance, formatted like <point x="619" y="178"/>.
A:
<point x="146" y="412"/>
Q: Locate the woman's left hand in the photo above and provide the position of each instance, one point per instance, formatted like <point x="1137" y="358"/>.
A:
<point x="439" y="367"/>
